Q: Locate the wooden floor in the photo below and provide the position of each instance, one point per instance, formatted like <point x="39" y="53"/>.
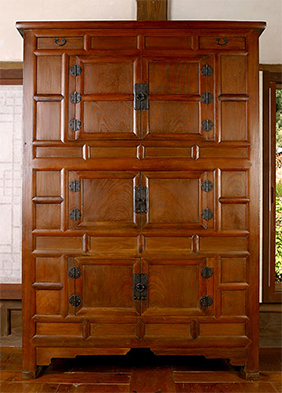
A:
<point x="139" y="372"/>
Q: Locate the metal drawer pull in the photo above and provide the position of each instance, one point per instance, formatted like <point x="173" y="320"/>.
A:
<point x="60" y="41"/>
<point x="221" y="44"/>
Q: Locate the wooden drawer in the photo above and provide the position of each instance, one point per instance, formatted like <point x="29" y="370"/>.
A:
<point x="60" y="42"/>
<point x="221" y="42"/>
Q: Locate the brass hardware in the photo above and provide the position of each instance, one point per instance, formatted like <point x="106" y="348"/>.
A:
<point x="74" y="300"/>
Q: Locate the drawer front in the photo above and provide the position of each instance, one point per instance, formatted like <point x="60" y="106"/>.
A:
<point x="60" y="42"/>
<point x="221" y="42"/>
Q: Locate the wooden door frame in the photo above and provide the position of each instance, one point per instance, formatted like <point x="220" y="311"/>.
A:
<point x="271" y="75"/>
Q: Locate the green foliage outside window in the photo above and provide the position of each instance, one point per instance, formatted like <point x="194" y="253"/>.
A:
<point x="278" y="118"/>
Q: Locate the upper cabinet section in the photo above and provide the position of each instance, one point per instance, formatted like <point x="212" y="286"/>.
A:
<point x="141" y="80"/>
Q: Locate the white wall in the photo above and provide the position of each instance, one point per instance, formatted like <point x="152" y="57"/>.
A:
<point x="260" y="10"/>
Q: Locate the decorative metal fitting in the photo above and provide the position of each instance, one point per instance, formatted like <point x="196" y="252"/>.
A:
<point x="60" y="41"/>
<point x="75" y="70"/>
<point x="207" y="214"/>
<point x="206" y="272"/>
<point x="74" y="272"/>
<point x="75" y="125"/>
<point x="140" y="199"/>
<point x="207" y="186"/>
<point x="207" y="125"/>
<point x="74" y="300"/>
<point x="75" y="97"/>
<point x="225" y="41"/>
<point x="141" y="93"/>
<point x="75" y="214"/>
<point x="206" y="70"/>
<point x="206" y="98"/>
<point x="206" y="301"/>
<point x="74" y="186"/>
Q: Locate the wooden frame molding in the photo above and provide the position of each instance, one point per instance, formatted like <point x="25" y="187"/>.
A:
<point x="272" y="75"/>
<point x="11" y="73"/>
<point x="10" y="291"/>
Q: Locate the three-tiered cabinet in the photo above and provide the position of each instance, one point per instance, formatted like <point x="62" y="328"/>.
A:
<point x="141" y="194"/>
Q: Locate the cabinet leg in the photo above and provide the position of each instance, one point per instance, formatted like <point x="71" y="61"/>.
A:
<point x="250" y="375"/>
<point x="31" y="374"/>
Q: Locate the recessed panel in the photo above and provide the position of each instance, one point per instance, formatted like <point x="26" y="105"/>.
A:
<point x="106" y="78"/>
<point x="233" y="303"/>
<point x="48" y="121"/>
<point x="47" y="269"/>
<point x="108" y="117"/>
<point x="105" y="200"/>
<point x="233" y="184"/>
<point x="174" y="201"/>
<point x="113" y="42"/>
<point x="47" y="302"/>
<point x="233" y="121"/>
<point x="233" y="270"/>
<point x="233" y="74"/>
<point x="168" y="42"/>
<point x="173" y="78"/>
<point x="49" y="74"/>
<point x="48" y="183"/>
<point x="48" y="216"/>
<point x="233" y="217"/>
<point x="165" y="293"/>
<point x="107" y="286"/>
<point x="171" y="117"/>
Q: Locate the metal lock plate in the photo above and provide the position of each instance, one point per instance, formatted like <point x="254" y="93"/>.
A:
<point x="141" y="97"/>
<point x="207" y="125"/>
<point x="140" y="199"/>
<point x="75" y="70"/>
<point x="206" y="301"/>
<point x="207" y="214"/>
<point x="140" y="286"/>
<point x="206" y="98"/>
<point x="75" y="97"/>
<point x="74" y="272"/>
<point x="207" y="186"/>
<point x="74" y="300"/>
<point x="75" y="125"/>
<point x="206" y="272"/>
<point x="75" y="214"/>
<point x="206" y="70"/>
<point x="74" y="186"/>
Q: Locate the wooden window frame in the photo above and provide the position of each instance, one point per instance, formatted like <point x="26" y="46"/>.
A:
<point x="272" y="75"/>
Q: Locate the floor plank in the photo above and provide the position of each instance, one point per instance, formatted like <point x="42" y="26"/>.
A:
<point x="152" y="379"/>
<point x="200" y="377"/>
<point x="249" y="387"/>
<point x="27" y="387"/>
<point x="87" y="388"/>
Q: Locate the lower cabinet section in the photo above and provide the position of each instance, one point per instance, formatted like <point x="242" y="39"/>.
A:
<point x="94" y="338"/>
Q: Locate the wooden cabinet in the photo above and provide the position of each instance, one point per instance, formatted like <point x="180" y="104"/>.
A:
<point x="141" y="170"/>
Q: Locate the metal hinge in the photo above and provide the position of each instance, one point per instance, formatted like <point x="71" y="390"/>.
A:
<point x="206" y="301"/>
<point x="75" y="125"/>
<point x="75" y="70"/>
<point x="140" y="199"/>
<point x="140" y="286"/>
<point x="75" y="97"/>
<point x="206" y="272"/>
<point x="141" y="97"/>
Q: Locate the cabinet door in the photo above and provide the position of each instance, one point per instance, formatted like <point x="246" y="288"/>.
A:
<point x="101" y="98"/>
<point x="102" y="287"/>
<point x="181" y="98"/>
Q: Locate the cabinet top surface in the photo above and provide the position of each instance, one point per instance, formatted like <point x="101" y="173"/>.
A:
<point x="234" y="25"/>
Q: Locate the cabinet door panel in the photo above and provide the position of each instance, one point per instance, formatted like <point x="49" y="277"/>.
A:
<point x="176" y="200"/>
<point x="175" y="287"/>
<point x="105" y="109"/>
<point x="176" y="103"/>
<point x="104" y="200"/>
<point x="105" y="286"/>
